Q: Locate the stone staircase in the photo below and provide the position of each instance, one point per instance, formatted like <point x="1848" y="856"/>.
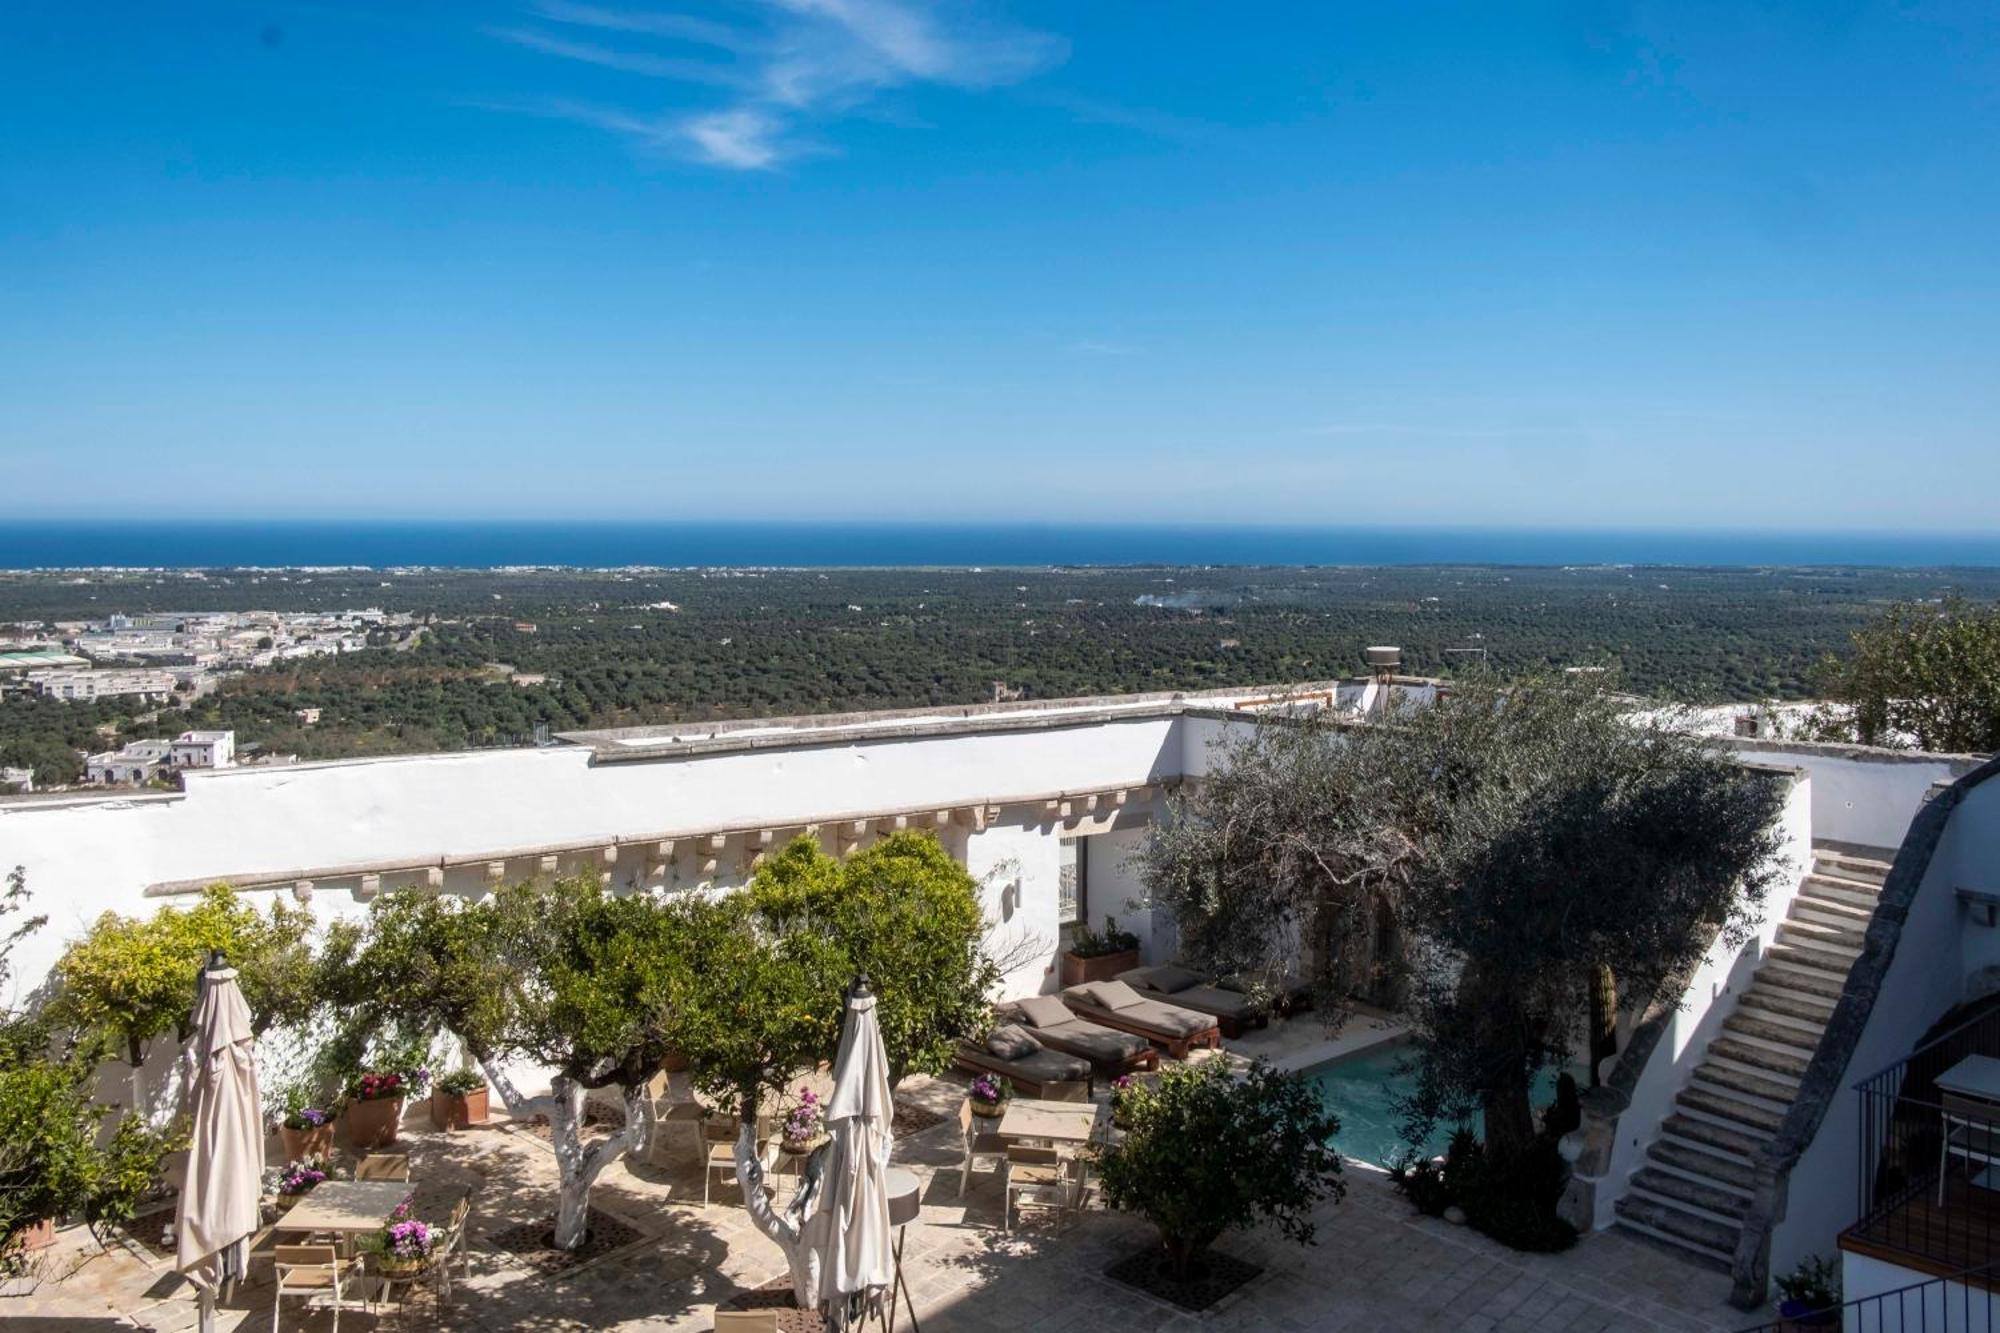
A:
<point x="1694" y="1189"/>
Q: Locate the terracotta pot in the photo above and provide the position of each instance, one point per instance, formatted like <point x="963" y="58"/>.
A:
<point x="284" y="1203"/>
<point x="390" y="1266"/>
<point x="449" y="1111"/>
<point x="372" y="1124"/>
<point x="40" y="1236"/>
<point x="303" y="1143"/>
<point x="675" y="1063"/>
<point x="1076" y="971"/>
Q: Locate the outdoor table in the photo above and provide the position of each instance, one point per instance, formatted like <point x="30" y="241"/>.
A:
<point x="1052" y="1122"/>
<point x="346" y="1207"/>
<point x="904" y="1189"/>
<point x="1974" y="1076"/>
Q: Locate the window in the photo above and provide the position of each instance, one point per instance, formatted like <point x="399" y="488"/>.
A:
<point x="1072" y="883"/>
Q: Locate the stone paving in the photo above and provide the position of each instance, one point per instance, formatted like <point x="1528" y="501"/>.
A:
<point x="1377" y="1265"/>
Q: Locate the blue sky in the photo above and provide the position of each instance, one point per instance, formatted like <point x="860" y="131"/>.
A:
<point x="1579" y="264"/>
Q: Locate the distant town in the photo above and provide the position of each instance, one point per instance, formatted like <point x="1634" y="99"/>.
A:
<point x="166" y="658"/>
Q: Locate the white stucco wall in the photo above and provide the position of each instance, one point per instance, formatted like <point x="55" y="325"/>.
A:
<point x="1861" y="796"/>
<point x="1711" y="996"/>
<point x="1927" y="976"/>
<point x="1018" y="870"/>
<point x="1115" y="885"/>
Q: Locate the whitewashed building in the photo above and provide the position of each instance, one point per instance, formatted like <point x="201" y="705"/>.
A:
<point x="1731" y="1128"/>
<point x="203" y="749"/>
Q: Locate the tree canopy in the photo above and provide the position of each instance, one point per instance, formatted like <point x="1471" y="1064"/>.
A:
<point x="1927" y="673"/>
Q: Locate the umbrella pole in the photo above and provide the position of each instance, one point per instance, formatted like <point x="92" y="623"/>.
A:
<point x="205" y="1307"/>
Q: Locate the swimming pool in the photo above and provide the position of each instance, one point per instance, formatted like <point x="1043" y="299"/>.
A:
<point x="1365" y="1089"/>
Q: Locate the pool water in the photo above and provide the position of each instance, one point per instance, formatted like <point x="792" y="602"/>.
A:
<point x="1365" y="1090"/>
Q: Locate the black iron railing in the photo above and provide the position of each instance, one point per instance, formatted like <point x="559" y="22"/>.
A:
<point x="1955" y="1303"/>
<point x="1916" y="1198"/>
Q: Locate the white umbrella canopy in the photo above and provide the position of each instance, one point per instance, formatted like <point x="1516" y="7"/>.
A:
<point x="858" y="1264"/>
<point x="219" y="1203"/>
<point x="835" y="1232"/>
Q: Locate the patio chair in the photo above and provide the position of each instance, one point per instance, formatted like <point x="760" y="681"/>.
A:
<point x="1036" y="1178"/>
<point x="1232" y="1010"/>
<point x="1970" y="1131"/>
<point x="453" y="1245"/>
<point x="383" y="1166"/>
<point x="721" y="1155"/>
<point x="976" y="1143"/>
<point x="308" y="1271"/>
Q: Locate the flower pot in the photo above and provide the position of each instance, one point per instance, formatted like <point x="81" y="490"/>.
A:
<point x="284" y="1203"/>
<point x="1076" y="971"/>
<point x="450" y="1111"/>
<point x="303" y="1143"/>
<point x="674" y="1063"/>
<point x="372" y="1124"/>
<point x="793" y="1149"/>
<point x="391" y="1266"/>
<point x="1799" y="1317"/>
<point x="991" y="1110"/>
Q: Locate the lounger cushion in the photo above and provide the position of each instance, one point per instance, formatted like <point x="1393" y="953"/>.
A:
<point x="1094" y="1041"/>
<point x="1111" y="995"/>
<point x="1167" y="1017"/>
<point x="1215" y="1000"/>
<point x="1010" y="1041"/>
<point x="1169" y="979"/>
<point x="1042" y="1011"/>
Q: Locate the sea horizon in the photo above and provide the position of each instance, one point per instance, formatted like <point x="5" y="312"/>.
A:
<point x="117" y="543"/>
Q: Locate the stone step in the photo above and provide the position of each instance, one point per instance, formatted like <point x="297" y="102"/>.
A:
<point x="1842" y="891"/>
<point x="1692" y="1160"/>
<point x="1707" y="1100"/>
<point x="1790" y="1033"/>
<point x="1735" y="1140"/>
<point x="1813" y="956"/>
<point x="1829" y="939"/>
<point x="1851" y="865"/>
<point x="1705" y="1238"/>
<point x="1724" y="1205"/>
<point x="1763" y="997"/>
<point x="1832" y="912"/>
<point x="1799" y="978"/>
<point x="1754" y="1083"/>
<point x="1758" y="1055"/>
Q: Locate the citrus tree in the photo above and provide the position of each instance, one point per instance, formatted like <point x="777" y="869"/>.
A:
<point x="1206" y="1152"/>
<point x="1926" y="672"/>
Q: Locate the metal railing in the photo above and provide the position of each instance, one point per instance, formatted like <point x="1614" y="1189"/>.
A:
<point x="1956" y="1303"/>
<point x="1915" y="1197"/>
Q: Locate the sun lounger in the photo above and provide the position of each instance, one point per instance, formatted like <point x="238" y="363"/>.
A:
<point x="1114" y="1004"/>
<point x="1029" y="1074"/>
<point x="1234" y="1011"/>
<point x="1111" y="1051"/>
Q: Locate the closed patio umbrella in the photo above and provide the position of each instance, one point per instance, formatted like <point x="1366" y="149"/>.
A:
<point x="218" y="1209"/>
<point x="835" y="1231"/>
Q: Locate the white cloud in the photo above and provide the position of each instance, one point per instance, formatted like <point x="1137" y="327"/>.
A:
<point x="790" y="64"/>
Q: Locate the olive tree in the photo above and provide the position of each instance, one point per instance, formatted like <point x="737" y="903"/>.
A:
<point x="1926" y="672"/>
<point x="1493" y="850"/>
<point x="1206" y="1151"/>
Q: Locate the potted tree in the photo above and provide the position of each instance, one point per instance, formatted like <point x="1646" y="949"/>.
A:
<point x="1092" y="956"/>
<point x="459" y="1100"/>
<point x="1205" y="1152"/>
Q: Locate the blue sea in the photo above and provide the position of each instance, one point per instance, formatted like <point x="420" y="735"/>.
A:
<point x="49" y="543"/>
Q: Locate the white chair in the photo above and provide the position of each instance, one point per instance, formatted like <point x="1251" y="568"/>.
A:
<point x="1036" y="1178"/>
<point x="308" y="1271"/>
<point x="1970" y="1132"/>
<point x="976" y="1142"/>
<point x="720" y="1134"/>
<point x="453" y="1245"/>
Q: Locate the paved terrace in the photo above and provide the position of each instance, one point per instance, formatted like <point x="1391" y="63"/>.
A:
<point x="1377" y="1265"/>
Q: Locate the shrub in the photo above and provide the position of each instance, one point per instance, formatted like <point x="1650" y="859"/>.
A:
<point x="1206" y="1152"/>
<point x="1512" y="1200"/>
<point x="1090" y="944"/>
<point x="461" y="1083"/>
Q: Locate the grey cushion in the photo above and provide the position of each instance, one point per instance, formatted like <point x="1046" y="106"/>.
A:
<point x="1111" y="995"/>
<point x="1095" y="1042"/>
<point x="1215" y="1000"/>
<point x="1010" y="1041"/>
<point x="1167" y="1017"/>
<point x="1171" y="979"/>
<point x="1041" y="1011"/>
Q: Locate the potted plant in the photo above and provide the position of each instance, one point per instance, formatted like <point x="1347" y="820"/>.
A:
<point x="804" y="1126"/>
<point x="297" y="1180"/>
<point x="403" y="1247"/>
<point x="1811" y="1295"/>
<point x="1092" y="956"/>
<point x="307" y="1130"/>
<point x="375" y="1105"/>
<point x="989" y="1094"/>
<point x="459" y="1100"/>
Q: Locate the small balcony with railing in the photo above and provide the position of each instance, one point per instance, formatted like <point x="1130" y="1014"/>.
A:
<point x="1930" y="1158"/>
